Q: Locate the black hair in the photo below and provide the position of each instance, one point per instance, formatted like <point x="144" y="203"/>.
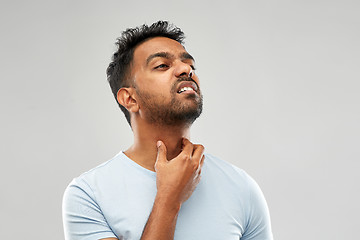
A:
<point x="118" y="71"/>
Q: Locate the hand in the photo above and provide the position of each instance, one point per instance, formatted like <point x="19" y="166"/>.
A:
<point x="176" y="179"/>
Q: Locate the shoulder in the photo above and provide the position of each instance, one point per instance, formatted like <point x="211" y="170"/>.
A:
<point x="85" y="188"/>
<point x="217" y="165"/>
<point x="103" y="168"/>
<point x="82" y="214"/>
<point x="229" y="177"/>
<point x="243" y="187"/>
<point x="99" y="174"/>
<point x="236" y="178"/>
<point x="111" y="166"/>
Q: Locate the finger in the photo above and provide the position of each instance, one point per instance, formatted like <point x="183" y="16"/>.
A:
<point x="200" y="165"/>
<point x="202" y="161"/>
<point x="198" y="151"/>
<point x="161" y="154"/>
<point x="187" y="147"/>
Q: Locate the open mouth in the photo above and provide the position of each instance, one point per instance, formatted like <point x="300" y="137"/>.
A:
<point x="187" y="87"/>
<point x="184" y="89"/>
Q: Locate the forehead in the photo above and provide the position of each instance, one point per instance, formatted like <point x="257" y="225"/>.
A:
<point x="155" y="45"/>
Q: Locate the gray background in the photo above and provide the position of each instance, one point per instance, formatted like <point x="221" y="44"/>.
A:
<point x="281" y="90"/>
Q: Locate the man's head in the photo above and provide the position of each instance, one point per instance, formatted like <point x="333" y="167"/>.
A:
<point x="149" y="69"/>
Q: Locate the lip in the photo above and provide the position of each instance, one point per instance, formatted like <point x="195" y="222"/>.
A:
<point x="187" y="84"/>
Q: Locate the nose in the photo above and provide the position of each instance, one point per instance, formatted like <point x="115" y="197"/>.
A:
<point x="183" y="70"/>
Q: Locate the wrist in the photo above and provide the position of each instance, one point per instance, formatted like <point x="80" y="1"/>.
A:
<point x="167" y="202"/>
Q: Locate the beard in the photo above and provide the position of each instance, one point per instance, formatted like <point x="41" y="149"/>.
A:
<point x="157" y="110"/>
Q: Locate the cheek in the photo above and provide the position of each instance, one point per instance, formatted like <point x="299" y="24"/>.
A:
<point x="196" y="79"/>
<point x="163" y="83"/>
<point x="158" y="83"/>
<point x="158" y="78"/>
<point x="158" y="91"/>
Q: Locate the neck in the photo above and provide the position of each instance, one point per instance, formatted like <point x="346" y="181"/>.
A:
<point x="144" y="150"/>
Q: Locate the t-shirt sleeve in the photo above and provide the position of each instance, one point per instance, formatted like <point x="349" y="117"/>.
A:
<point x="82" y="216"/>
<point x="259" y="225"/>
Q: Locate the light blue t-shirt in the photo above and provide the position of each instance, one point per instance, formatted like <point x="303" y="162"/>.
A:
<point x="115" y="200"/>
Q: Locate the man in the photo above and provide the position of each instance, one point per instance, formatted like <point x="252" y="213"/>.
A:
<point x="153" y="189"/>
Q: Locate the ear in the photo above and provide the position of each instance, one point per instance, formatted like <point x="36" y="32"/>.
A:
<point x="126" y="97"/>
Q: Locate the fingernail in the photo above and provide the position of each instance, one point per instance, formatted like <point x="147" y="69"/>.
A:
<point x="158" y="144"/>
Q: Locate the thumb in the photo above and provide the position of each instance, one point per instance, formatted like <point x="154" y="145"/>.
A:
<point x="161" y="154"/>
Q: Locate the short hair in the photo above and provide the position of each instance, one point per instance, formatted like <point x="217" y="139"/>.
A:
<point x="118" y="71"/>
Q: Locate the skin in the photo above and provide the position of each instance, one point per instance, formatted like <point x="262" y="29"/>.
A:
<point x="160" y="147"/>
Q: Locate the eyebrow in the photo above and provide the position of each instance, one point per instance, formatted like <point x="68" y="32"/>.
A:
<point x="186" y="55"/>
<point x="167" y="55"/>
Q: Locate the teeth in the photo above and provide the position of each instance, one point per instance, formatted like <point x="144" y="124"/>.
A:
<point x="185" y="88"/>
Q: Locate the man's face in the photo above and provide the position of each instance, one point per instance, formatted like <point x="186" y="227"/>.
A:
<point x="166" y="85"/>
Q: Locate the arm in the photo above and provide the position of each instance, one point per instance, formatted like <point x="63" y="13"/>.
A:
<point x="175" y="181"/>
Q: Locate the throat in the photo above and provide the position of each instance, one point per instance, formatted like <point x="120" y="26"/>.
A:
<point x="144" y="149"/>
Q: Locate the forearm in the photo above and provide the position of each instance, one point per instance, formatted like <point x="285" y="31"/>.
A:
<point x="162" y="220"/>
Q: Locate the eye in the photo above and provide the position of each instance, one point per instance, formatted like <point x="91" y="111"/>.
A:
<point x="193" y="67"/>
<point x="161" y="66"/>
